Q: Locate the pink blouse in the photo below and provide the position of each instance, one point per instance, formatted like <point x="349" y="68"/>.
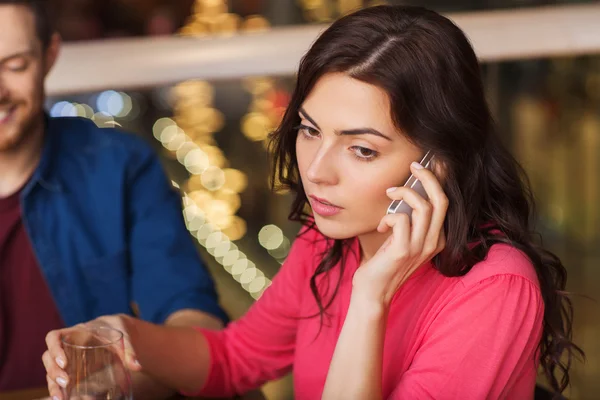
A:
<point x="470" y="337"/>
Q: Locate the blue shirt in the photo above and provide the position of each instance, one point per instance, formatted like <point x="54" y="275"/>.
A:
<point x="107" y="228"/>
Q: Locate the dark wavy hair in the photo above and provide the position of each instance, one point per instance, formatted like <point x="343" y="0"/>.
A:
<point x="432" y="77"/>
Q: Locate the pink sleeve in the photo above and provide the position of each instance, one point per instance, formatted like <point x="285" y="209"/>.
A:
<point x="260" y="346"/>
<point x="482" y="344"/>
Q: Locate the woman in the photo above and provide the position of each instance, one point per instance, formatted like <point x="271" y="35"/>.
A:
<point x="455" y="302"/>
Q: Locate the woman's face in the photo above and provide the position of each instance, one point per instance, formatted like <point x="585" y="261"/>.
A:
<point x="349" y="152"/>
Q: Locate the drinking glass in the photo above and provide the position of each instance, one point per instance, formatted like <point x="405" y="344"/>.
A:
<point x="94" y="365"/>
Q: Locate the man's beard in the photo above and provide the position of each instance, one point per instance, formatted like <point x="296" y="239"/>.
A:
<point x="18" y="131"/>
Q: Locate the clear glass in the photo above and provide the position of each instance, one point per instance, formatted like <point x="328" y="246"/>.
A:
<point x="94" y="365"/>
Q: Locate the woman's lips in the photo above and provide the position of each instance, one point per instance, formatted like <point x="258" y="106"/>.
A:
<point x="323" y="207"/>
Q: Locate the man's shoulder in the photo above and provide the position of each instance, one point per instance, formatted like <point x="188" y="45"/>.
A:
<point x="86" y="137"/>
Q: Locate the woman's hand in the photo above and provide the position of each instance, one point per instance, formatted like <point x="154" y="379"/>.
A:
<point x="410" y="245"/>
<point x="55" y="360"/>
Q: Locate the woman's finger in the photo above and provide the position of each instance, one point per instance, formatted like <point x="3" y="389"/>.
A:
<point x="53" y="389"/>
<point x="399" y="246"/>
<point x="421" y="215"/>
<point x="54" y="344"/>
<point x="55" y="373"/>
<point x="131" y="359"/>
<point x="127" y="354"/>
<point x="439" y="203"/>
<point x="431" y="184"/>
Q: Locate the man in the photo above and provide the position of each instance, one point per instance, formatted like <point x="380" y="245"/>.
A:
<point x="89" y="224"/>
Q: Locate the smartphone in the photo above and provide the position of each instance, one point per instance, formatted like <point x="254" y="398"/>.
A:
<point x="400" y="206"/>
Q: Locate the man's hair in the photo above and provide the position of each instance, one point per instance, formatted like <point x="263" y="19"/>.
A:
<point x="43" y="23"/>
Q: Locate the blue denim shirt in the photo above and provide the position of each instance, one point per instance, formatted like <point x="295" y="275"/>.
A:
<point x="107" y="228"/>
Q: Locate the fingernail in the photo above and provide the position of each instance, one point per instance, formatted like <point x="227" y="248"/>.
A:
<point x="390" y="190"/>
<point x="54" y="397"/>
<point x="416" y="165"/>
<point x="60" y="362"/>
<point x="136" y="362"/>
<point x="62" y="382"/>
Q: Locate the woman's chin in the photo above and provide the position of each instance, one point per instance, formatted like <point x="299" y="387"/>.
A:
<point x="337" y="229"/>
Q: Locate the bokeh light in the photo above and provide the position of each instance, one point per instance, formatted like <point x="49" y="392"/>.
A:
<point x="111" y="103"/>
<point x="270" y="237"/>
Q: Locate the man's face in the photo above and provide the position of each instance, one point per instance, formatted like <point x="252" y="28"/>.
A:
<point x="24" y="65"/>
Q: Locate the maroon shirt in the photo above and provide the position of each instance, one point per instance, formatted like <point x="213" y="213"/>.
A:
<point x="27" y="309"/>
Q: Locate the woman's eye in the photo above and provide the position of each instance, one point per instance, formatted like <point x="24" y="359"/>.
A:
<point x="308" y="132"/>
<point x="364" y="153"/>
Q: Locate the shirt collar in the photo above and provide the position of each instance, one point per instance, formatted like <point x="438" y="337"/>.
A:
<point x="44" y="174"/>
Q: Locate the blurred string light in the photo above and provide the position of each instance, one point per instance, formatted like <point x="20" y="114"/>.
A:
<point x="211" y="17"/>
<point x="201" y="210"/>
<point x="115" y="104"/>
<point x="225" y="252"/>
<point x="68" y="109"/>
<point x="264" y="115"/>
<point x="259" y="121"/>
<point x="215" y="189"/>
<point x="328" y="10"/>
<point x="265" y="112"/>
<point x="212" y="191"/>
<point x="110" y="106"/>
<point x="271" y="237"/>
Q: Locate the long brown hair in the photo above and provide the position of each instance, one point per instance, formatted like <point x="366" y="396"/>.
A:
<point x="432" y="77"/>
